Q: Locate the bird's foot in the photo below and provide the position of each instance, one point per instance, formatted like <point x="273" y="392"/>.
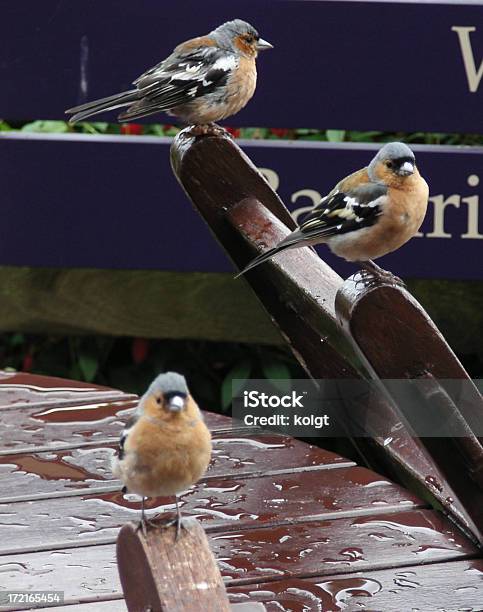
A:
<point x="208" y="129"/>
<point x="145" y="525"/>
<point x="157" y="523"/>
<point x="373" y="275"/>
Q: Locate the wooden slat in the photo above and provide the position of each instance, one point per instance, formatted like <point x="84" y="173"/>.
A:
<point x="430" y="588"/>
<point x="34" y="475"/>
<point x="66" y="426"/>
<point x="328" y="548"/>
<point x="18" y="390"/>
<point x="298" y="290"/>
<point x="219" y="503"/>
<point x="236" y="200"/>
<point x="415" y="349"/>
<point x="157" y="574"/>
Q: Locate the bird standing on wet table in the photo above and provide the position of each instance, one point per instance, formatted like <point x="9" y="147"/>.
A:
<point x="204" y="80"/>
<point x="165" y="447"/>
<point x="368" y="214"/>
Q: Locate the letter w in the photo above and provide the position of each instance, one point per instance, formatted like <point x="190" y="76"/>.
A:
<point x="473" y="76"/>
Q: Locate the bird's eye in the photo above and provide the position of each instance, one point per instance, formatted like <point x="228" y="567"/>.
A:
<point x="159" y="400"/>
<point x="249" y="39"/>
<point x="389" y="164"/>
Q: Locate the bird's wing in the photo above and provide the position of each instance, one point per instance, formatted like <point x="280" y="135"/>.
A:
<point x="181" y="78"/>
<point x="343" y="211"/>
<point x="127" y="427"/>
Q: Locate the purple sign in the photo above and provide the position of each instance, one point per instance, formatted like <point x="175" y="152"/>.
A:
<point x="412" y="66"/>
<point x="113" y="202"/>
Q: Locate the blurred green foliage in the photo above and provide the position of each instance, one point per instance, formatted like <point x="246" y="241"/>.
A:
<point x="130" y="364"/>
<point x="327" y="135"/>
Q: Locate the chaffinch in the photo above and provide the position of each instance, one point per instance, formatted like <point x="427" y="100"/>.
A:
<point x="368" y="214"/>
<point x="204" y="80"/>
<point x="165" y="447"/>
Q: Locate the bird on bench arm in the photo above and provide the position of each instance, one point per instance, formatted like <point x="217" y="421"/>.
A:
<point x="368" y="214"/>
<point x="165" y="447"/>
<point x="204" y="80"/>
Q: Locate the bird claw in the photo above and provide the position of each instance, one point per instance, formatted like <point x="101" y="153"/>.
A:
<point x="373" y="276"/>
<point x="145" y="525"/>
<point x="209" y="129"/>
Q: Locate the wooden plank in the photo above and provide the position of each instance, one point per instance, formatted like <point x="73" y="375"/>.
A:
<point x="34" y="475"/>
<point x="159" y="573"/>
<point x="236" y="200"/>
<point x="20" y="390"/>
<point x="67" y="426"/>
<point x="321" y="548"/>
<point x="298" y="290"/>
<point x="225" y="503"/>
<point x="433" y="588"/>
<point x="416" y="350"/>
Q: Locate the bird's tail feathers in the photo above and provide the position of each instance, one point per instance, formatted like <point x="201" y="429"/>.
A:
<point x="295" y="239"/>
<point x="79" y="113"/>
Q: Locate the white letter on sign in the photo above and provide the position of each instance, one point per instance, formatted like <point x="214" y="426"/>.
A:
<point x="473" y="76"/>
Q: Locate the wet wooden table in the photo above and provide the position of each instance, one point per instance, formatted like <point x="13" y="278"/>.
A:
<point x="292" y="526"/>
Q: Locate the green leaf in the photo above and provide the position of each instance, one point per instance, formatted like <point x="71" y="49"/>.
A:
<point x="278" y="374"/>
<point x="234" y="382"/>
<point x="254" y="132"/>
<point x="94" y="127"/>
<point x="45" y="126"/>
<point x="17" y="339"/>
<point x="335" y="135"/>
<point x="88" y="366"/>
<point x="4" y="127"/>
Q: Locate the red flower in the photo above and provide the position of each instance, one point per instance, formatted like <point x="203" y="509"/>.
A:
<point x="235" y="132"/>
<point x="28" y="361"/>
<point x="280" y="132"/>
<point x="139" y="350"/>
<point x="133" y="129"/>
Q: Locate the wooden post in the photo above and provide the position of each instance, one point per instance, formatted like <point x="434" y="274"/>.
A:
<point x="160" y="574"/>
<point x="398" y="340"/>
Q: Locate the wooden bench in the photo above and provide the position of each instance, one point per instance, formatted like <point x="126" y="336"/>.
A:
<point x="346" y="330"/>
<point x="289" y="523"/>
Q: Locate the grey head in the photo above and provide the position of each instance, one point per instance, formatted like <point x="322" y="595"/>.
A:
<point x="397" y="157"/>
<point x="238" y="30"/>
<point x="172" y="387"/>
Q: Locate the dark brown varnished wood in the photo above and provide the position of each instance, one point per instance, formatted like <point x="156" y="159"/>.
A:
<point x="228" y="191"/>
<point x="319" y="548"/>
<point x="429" y="588"/>
<point x="299" y="291"/>
<point x="398" y="340"/>
<point x="274" y="509"/>
<point x="56" y="473"/>
<point x="161" y="572"/>
<point x="219" y="503"/>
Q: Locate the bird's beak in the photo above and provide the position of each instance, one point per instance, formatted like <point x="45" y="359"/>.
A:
<point x="406" y="169"/>
<point x="176" y="403"/>
<point x="263" y="45"/>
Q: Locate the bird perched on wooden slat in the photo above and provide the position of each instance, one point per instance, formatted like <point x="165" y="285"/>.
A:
<point x="204" y="80"/>
<point x="165" y="447"/>
<point x="368" y="214"/>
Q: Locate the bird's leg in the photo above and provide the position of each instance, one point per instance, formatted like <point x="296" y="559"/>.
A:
<point x="378" y="274"/>
<point x="208" y="129"/>
<point x="142" y="523"/>
<point x="179" y="520"/>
